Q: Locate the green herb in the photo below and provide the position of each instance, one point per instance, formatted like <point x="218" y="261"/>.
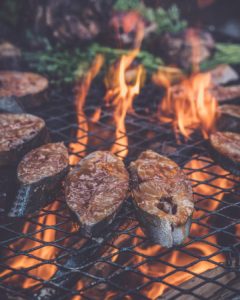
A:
<point x="225" y="54"/>
<point x="64" y="66"/>
<point x="166" y="20"/>
<point x="123" y="5"/>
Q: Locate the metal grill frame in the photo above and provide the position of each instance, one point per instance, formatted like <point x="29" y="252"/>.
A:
<point x="60" y="117"/>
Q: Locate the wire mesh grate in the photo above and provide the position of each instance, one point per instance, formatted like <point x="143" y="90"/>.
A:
<point x="43" y="256"/>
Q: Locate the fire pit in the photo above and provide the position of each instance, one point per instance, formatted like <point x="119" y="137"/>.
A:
<point x="45" y="256"/>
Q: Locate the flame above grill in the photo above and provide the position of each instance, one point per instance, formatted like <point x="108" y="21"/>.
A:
<point x="82" y="91"/>
<point x="188" y="105"/>
<point x="120" y="95"/>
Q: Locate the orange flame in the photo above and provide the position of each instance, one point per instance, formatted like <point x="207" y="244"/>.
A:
<point x="37" y="251"/>
<point x="82" y="91"/>
<point x="120" y="96"/>
<point x="189" y="105"/>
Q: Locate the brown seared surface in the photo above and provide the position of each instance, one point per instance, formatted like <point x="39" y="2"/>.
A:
<point x="96" y="187"/>
<point x="231" y="110"/>
<point x="160" y="187"/>
<point x="227" y="144"/>
<point x="21" y="83"/>
<point x="45" y="161"/>
<point x="223" y="93"/>
<point x="16" y="129"/>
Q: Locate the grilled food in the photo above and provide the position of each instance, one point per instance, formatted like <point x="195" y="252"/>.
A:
<point x="162" y="197"/>
<point x="226" y="93"/>
<point x="39" y="176"/>
<point x="229" y="118"/>
<point x="223" y="74"/>
<point x="11" y="105"/>
<point x="19" y="133"/>
<point x="95" y="190"/>
<point x="225" y="150"/>
<point x="29" y="88"/>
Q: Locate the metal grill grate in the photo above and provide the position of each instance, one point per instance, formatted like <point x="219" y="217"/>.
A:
<point x="123" y="264"/>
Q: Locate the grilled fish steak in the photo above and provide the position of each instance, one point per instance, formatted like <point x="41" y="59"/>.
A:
<point x="11" y="105"/>
<point x="29" y="88"/>
<point x="163" y="198"/>
<point x="225" y="150"/>
<point x="95" y="190"/>
<point x="39" y="174"/>
<point x="229" y="118"/>
<point x="19" y="133"/>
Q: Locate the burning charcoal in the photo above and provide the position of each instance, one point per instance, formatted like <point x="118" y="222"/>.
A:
<point x="95" y="190"/>
<point x="225" y="150"/>
<point x="11" y="105"/>
<point x="162" y="197"/>
<point x="19" y="133"/>
<point x="229" y="118"/>
<point x="39" y="176"/>
<point x="29" y="88"/>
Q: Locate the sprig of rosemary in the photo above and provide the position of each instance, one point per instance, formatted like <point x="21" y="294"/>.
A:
<point x="64" y="66"/>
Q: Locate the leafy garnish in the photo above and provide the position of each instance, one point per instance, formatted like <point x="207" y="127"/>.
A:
<point x="64" y="66"/>
<point x="224" y="54"/>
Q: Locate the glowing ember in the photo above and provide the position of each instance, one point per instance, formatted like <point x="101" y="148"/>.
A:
<point x="37" y="251"/>
<point x="120" y="95"/>
<point x="82" y="91"/>
<point x="189" y="105"/>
